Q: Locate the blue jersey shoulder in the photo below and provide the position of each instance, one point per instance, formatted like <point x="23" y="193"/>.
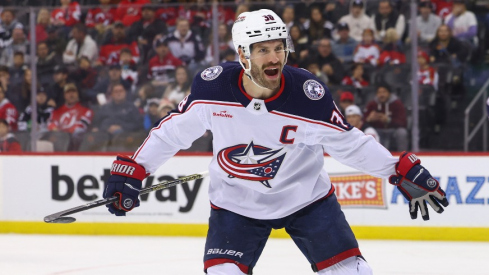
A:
<point x="310" y="98"/>
<point x="213" y="83"/>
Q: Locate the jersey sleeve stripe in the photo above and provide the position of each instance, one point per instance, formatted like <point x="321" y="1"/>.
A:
<point x="309" y="120"/>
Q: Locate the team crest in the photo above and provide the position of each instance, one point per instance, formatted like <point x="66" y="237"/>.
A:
<point x="313" y="89"/>
<point x="211" y="73"/>
<point x="251" y="162"/>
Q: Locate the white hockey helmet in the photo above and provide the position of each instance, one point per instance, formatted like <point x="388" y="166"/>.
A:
<point x="259" y="26"/>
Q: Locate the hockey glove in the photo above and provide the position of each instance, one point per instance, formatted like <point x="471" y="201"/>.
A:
<point x="125" y="182"/>
<point x="418" y="186"/>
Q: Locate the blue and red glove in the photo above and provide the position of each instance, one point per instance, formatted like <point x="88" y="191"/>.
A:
<point x="418" y="186"/>
<point x="125" y="182"/>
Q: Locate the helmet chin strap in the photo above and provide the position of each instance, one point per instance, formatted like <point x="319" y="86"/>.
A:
<point x="248" y="73"/>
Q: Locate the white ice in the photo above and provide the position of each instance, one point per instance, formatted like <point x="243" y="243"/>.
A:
<point x="94" y="255"/>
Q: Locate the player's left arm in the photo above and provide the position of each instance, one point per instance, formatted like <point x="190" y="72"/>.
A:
<point x="352" y="147"/>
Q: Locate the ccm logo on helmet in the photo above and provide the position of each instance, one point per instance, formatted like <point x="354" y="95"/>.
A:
<point x="272" y="29"/>
<point x="122" y="168"/>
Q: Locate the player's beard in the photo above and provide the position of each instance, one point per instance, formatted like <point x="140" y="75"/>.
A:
<point x="258" y="75"/>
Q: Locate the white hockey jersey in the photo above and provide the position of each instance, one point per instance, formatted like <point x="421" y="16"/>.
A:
<point x="268" y="154"/>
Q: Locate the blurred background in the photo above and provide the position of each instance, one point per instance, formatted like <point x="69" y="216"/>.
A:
<point x="95" y="75"/>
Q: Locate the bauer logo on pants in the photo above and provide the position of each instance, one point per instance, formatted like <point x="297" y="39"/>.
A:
<point x="359" y="190"/>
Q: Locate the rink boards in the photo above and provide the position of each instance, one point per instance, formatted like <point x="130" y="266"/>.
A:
<point x="33" y="186"/>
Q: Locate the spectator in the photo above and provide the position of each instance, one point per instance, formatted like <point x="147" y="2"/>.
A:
<point x="165" y="108"/>
<point x="43" y="23"/>
<point x="45" y="107"/>
<point x="85" y="76"/>
<point x="114" y="42"/>
<point x="318" y="27"/>
<point x="60" y="80"/>
<point x="101" y="17"/>
<point x="68" y="15"/>
<point x="344" y="46"/>
<point x="161" y="68"/>
<point x="152" y="114"/>
<point x="427" y="75"/>
<point x="442" y="7"/>
<point x="447" y="49"/>
<point x="8" y="142"/>
<point x="288" y="17"/>
<point x="225" y="44"/>
<point x="5" y="82"/>
<point x="81" y="45"/>
<point x="21" y="98"/>
<point x="19" y="44"/>
<point x="17" y="68"/>
<point x="8" y="24"/>
<point x="462" y="23"/>
<point x="185" y="45"/>
<point x="301" y="46"/>
<point x="354" y="118"/>
<point x="387" y="115"/>
<point x="312" y="66"/>
<point x="387" y="18"/>
<point x="56" y="44"/>
<point x="144" y="31"/>
<point x="367" y="52"/>
<point x="129" y="11"/>
<point x="346" y="99"/>
<point x="392" y="53"/>
<point x="329" y="63"/>
<point x="145" y="93"/>
<point x="45" y="63"/>
<point x="335" y="9"/>
<point x="100" y="93"/>
<point x="357" y="20"/>
<point x="427" y="22"/>
<point x="8" y="112"/>
<point x="129" y="69"/>
<point x="71" y="117"/>
<point x="179" y="89"/>
<point x="118" y="116"/>
<point x="356" y="78"/>
<point x="170" y="13"/>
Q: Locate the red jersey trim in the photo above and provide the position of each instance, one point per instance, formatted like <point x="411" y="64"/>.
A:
<point x="308" y="120"/>
<point x="213" y="262"/>
<point x="282" y="86"/>
<point x="338" y="258"/>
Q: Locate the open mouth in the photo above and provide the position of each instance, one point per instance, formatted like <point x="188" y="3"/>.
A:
<point x="271" y="71"/>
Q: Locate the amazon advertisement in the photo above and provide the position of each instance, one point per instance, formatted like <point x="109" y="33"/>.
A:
<point x="32" y="187"/>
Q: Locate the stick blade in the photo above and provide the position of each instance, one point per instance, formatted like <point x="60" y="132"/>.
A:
<point x="49" y="219"/>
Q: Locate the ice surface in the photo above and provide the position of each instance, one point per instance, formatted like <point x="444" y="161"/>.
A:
<point x="97" y="255"/>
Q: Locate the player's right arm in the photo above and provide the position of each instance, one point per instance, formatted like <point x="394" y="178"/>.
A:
<point x="172" y="133"/>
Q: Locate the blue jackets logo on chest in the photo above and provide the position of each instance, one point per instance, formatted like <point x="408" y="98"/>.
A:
<point x="251" y="162"/>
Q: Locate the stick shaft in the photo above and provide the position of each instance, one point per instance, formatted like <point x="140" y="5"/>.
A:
<point x="93" y="204"/>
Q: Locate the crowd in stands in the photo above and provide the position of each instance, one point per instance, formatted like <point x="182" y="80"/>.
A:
<point x="107" y="74"/>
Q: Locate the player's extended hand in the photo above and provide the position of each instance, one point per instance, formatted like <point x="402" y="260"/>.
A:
<point x="418" y="186"/>
<point x="125" y="182"/>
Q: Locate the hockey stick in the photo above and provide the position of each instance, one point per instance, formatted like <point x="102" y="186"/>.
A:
<point x="60" y="216"/>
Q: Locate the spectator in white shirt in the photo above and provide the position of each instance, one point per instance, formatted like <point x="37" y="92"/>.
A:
<point x="462" y="22"/>
<point x="427" y="22"/>
<point x="81" y="45"/>
<point x="357" y="20"/>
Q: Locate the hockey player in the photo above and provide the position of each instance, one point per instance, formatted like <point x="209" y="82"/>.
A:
<point x="271" y="125"/>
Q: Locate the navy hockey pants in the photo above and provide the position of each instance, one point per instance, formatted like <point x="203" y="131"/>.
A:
<point x="319" y="230"/>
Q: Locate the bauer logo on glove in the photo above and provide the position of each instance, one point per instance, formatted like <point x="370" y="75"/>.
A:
<point x="418" y="186"/>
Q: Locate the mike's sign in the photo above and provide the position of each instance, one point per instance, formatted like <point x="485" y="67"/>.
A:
<point x="359" y="190"/>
